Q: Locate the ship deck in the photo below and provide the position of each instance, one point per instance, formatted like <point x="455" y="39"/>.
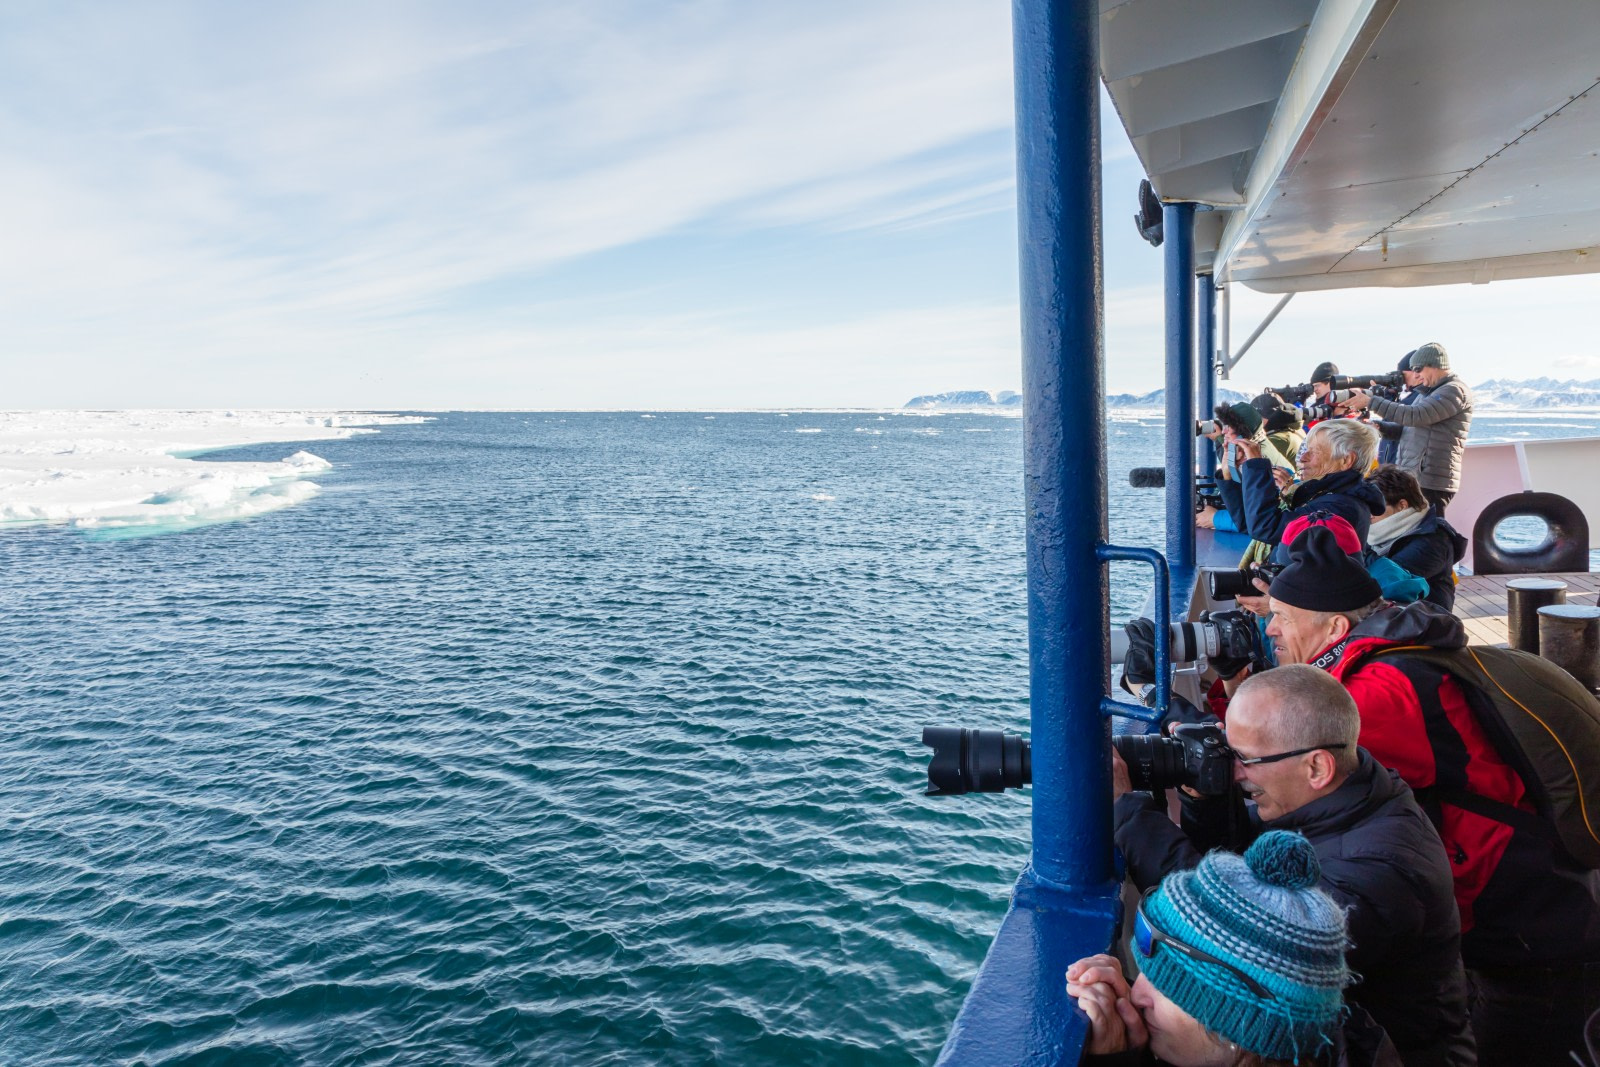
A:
<point x="1481" y="601"/>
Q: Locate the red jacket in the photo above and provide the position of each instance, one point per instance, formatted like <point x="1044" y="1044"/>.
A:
<point x="1523" y="901"/>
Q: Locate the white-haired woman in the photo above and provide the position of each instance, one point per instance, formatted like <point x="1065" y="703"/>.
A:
<point x="1334" y="464"/>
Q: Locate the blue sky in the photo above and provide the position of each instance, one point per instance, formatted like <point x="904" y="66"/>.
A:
<point x="421" y="205"/>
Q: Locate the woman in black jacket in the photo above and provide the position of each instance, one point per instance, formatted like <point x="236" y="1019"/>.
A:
<point x="1413" y="534"/>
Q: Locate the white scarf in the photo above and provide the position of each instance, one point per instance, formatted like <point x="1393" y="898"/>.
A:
<point x="1386" y="531"/>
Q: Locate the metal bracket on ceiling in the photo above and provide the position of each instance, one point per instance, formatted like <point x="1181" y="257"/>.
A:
<point x="1229" y="361"/>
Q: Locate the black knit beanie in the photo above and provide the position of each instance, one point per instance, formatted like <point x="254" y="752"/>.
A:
<point x="1325" y="372"/>
<point x="1320" y="577"/>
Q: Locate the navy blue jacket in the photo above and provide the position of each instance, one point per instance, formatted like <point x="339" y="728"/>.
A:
<point x="1389" y="446"/>
<point x="1430" y="550"/>
<point x="1346" y="494"/>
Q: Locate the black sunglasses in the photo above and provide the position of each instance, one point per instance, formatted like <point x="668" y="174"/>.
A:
<point x="1255" y="761"/>
<point x="1147" y="935"/>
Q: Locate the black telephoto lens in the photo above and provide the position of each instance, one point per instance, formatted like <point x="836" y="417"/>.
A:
<point x="1225" y="584"/>
<point x="981" y="761"/>
<point x="1154" y="762"/>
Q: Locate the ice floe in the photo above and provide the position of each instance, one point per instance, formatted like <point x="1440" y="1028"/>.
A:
<point x="109" y="470"/>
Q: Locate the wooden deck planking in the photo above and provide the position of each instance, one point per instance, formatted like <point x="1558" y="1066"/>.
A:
<point x="1481" y="601"/>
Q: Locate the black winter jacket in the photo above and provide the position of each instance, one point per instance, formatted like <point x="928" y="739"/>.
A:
<point x="1346" y="494"/>
<point x="1389" y="432"/>
<point x="1431" y="551"/>
<point x="1382" y="859"/>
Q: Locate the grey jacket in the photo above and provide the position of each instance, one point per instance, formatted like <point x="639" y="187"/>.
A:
<point x="1435" y="432"/>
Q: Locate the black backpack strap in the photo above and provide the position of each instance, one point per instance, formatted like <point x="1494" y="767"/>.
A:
<point x="1523" y="822"/>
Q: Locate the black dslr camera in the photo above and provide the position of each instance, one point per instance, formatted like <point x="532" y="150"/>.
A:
<point x="991" y="761"/>
<point x="1295" y="394"/>
<point x="1225" y="584"/>
<point x="1196" y="755"/>
<point x="1327" y="406"/>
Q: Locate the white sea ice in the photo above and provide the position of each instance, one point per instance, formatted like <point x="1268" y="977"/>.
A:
<point x="125" y="469"/>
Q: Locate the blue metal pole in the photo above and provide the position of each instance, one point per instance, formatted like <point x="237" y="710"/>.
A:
<point x="1179" y="279"/>
<point x="1065" y="904"/>
<point x="1205" y="363"/>
<point x="1064" y="434"/>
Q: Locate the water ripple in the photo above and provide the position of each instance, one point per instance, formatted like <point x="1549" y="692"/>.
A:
<point x="569" y="739"/>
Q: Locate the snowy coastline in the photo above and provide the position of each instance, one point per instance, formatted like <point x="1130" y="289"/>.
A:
<point x="130" y="469"/>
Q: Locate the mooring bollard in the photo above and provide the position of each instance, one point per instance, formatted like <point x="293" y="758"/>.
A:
<point x="1569" y="637"/>
<point x="1524" y="598"/>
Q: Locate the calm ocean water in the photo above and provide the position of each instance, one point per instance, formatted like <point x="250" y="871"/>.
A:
<point x="557" y="739"/>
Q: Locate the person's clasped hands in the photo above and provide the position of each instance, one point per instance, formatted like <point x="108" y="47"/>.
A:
<point x="1100" y="989"/>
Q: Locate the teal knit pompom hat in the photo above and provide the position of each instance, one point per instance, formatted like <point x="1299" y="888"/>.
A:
<point x="1264" y="914"/>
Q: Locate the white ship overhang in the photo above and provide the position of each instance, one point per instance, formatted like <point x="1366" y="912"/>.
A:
<point x="1349" y="143"/>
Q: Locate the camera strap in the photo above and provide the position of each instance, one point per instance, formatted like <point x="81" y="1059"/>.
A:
<point x="1326" y="661"/>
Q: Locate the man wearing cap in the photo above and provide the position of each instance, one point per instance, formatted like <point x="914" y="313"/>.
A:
<point x="1294" y="731"/>
<point x="1321" y="377"/>
<point x="1281" y="421"/>
<point x="1530" y="916"/>
<point x="1322" y="384"/>
<point x="1433" y="429"/>
<point x="1389" y="448"/>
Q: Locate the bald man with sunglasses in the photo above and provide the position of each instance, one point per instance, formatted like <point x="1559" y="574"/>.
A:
<point x="1293" y="731"/>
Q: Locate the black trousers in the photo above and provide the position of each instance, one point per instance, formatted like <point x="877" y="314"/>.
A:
<point x="1527" y="1016"/>
<point x="1438" y="498"/>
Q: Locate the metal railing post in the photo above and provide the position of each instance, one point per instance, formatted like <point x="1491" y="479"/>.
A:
<point x="1178" y="276"/>
<point x="1065" y="903"/>
<point x="1205" y="364"/>
<point x="1063" y="381"/>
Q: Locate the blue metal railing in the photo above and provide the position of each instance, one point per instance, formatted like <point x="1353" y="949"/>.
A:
<point x="1163" y="651"/>
<point x="1066" y="902"/>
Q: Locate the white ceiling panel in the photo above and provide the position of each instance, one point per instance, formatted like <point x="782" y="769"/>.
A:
<point x="1402" y="143"/>
<point x="1145" y="35"/>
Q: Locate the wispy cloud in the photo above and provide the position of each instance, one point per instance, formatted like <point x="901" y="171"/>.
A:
<point x="192" y="174"/>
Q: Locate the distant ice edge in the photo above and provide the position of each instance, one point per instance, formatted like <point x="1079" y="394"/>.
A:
<point x="133" y="473"/>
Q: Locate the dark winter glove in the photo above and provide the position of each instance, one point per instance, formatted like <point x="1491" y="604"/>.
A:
<point x="1139" y="665"/>
<point x="1180" y="710"/>
<point x="1227" y="667"/>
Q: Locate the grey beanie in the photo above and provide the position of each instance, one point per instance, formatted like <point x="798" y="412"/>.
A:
<point x="1431" y="354"/>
